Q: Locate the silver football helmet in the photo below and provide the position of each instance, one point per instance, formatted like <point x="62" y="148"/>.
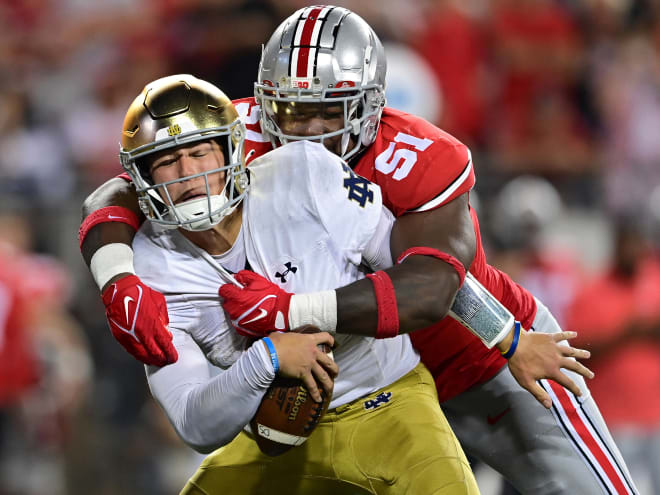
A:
<point x="181" y="110"/>
<point x="326" y="63"/>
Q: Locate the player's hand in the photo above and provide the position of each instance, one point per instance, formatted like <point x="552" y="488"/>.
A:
<point x="138" y="319"/>
<point x="540" y="355"/>
<point x="300" y="357"/>
<point x="257" y="309"/>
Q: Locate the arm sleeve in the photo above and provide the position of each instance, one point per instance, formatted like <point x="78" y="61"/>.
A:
<point x="206" y="405"/>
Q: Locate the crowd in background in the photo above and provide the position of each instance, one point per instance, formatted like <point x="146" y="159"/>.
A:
<point x="559" y="101"/>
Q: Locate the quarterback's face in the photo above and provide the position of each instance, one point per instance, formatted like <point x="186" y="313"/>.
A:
<point x="184" y="171"/>
<point x="310" y="120"/>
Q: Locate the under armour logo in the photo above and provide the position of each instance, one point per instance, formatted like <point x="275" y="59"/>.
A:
<point x="382" y="398"/>
<point x="289" y="268"/>
<point x="358" y="187"/>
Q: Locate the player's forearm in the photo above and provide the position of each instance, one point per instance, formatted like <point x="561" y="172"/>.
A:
<point x="436" y="248"/>
<point x="111" y="216"/>
<point x="424" y="288"/>
<point x="206" y="411"/>
<point x="104" y="234"/>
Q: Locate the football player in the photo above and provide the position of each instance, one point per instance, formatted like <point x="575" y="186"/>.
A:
<point x="322" y="77"/>
<point x="182" y="146"/>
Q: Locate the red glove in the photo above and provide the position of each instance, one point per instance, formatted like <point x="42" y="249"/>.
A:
<point x="259" y="308"/>
<point x="138" y="319"/>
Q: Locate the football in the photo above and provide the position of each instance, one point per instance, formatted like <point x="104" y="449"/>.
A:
<point x="287" y="414"/>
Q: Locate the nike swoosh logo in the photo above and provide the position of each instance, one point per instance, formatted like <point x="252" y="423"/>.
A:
<point x="263" y="313"/>
<point x="127" y="299"/>
<point x="494" y="419"/>
<point x="238" y="321"/>
<point x="131" y="331"/>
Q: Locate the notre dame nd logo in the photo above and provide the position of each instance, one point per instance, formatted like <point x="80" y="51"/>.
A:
<point x="358" y="187"/>
<point x="173" y="130"/>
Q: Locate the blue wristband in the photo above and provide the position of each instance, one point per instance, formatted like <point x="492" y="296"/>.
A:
<point x="273" y="354"/>
<point x="514" y="343"/>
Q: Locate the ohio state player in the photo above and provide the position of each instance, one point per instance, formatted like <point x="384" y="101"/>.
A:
<point x="426" y="176"/>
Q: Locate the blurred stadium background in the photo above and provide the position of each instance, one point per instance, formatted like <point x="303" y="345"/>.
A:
<point x="559" y="101"/>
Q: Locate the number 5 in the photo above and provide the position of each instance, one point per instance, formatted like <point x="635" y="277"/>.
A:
<point x="389" y="160"/>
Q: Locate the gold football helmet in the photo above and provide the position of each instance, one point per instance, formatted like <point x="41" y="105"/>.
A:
<point x="180" y="110"/>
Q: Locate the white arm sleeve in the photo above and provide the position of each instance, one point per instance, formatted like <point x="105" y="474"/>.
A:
<point x="206" y="405"/>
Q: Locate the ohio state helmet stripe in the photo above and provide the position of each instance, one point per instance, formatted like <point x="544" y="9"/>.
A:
<point x="587" y="439"/>
<point x="306" y="41"/>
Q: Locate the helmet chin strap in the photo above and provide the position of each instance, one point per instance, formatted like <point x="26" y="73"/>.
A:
<point x="195" y="216"/>
<point x="345" y="139"/>
<point x="354" y="129"/>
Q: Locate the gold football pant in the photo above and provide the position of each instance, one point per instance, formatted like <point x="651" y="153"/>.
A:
<point x="394" y="441"/>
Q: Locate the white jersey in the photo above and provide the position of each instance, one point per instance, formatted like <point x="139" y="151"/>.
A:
<point x="306" y="222"/>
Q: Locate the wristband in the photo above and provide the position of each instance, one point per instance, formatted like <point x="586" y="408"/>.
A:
<point x="427" y="251"/>
<point x="514" y="343"/>
<point x="273" y="354"/>
<point x="110" y="260"/>
<point x="388" y="313"/>
<point x="107" y="214"/>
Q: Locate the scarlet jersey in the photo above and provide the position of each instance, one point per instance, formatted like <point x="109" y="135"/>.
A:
<point x="416" y="164"/>
<point x="419" y="167"/>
